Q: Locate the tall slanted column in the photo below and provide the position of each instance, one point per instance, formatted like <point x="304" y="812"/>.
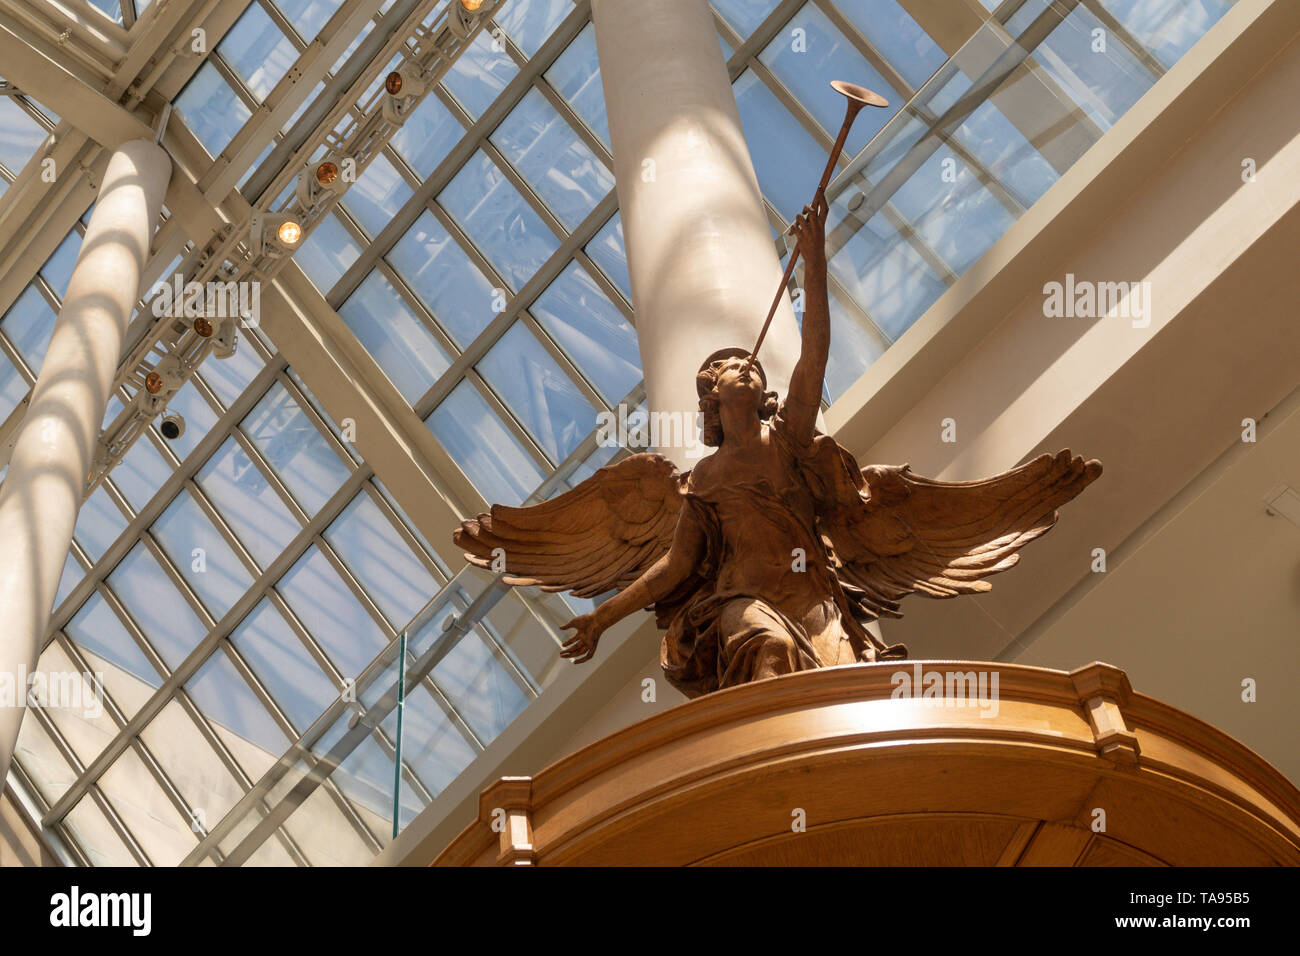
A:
<point x="699" y="247"/>
<point x="43" y="488"/>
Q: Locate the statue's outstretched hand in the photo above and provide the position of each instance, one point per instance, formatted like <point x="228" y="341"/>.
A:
<point x="809" y="228"/>
<point x="584" y="641"/>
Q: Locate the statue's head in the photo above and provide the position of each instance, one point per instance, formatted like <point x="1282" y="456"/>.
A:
<point x="724" y="380"/>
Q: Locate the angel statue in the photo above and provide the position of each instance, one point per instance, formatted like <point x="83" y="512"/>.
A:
<point x="772" y="554"/>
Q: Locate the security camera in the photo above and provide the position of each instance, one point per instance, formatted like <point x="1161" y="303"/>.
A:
<point x="173" y="426"/>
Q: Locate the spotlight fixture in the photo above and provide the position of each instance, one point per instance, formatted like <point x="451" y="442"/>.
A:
<point x="471" y="5"/>
<point x="322" y="177"/>
<point x="172" y="426"/>
<point x="203" y="326"/>
<point x="274" y="234"/>
<point x="404" y="86"/>
<point x="227" y="338"/>
<point x="153" y="383"/>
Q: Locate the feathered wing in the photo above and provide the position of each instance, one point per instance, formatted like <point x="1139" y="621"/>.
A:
<point x="601" y="536"/>
<point x="940" y="538"/>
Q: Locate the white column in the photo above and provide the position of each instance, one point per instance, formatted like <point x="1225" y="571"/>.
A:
<point x="699" y="248"/>
<point x="43" y="489"/>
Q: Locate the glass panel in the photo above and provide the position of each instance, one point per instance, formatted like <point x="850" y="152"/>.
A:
<point x="168" y="622"/>
<point x="297" y="451"/>
<point x="568" y="176"/>
<point x="12" y="384"/>
<point x="744" y="15"/>
<point x="892" y="31"/>
<point x="806" y="63"/>
<point x="257" y="51"/>
<point x="432" y="746"/>
<point x="92" y="832"/>
<point x="58" y="268"/>
<point x="401" y="344"/>
<point x="479" y="75"/>
<point x="591" y="331"/>
<point x="20" y="135"/>
<point x="377" y="196"/>
<point x="785" y="174"/>
<point x="427" y="136"/>
<point x="28" y="325"/>
<point x="530" y="22"/>
<point x="479" y="687"/>
<point x="491" y="211"/>
<point x="479" y="442"/>
<point x="156" y="823"/>
<point x="308" y="16"/>
<point x="73" y="572"/>
<point x="370" y="546"/>
<point x="1168" y="28"/>
<point x="575" y="75"/>
<point x="331" y="613"/>
<point x="198" y="414"/>
<point x="185" y="755"/>
<point x="229" y="377"/>
<point x="532" y="384"/>
<point x="98" y="630"/>
<point x="283" y="664"/>
<point x="211" y="110"/>
<point x="328" y="252"/>
<point x="71" y="700"/>
<point x="227" y="700"/>
<point x="141" y="473"/>
<point x="201" y="555"/>
<point x="446" y="280"/>
<point x="248" y="503"/>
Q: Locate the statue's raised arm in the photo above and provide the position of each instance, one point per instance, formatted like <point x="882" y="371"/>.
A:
<point x="804" y="399"/>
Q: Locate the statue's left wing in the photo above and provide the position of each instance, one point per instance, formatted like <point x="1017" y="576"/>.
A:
<point x="940" y="538"/>
<point x="600" y="536"/>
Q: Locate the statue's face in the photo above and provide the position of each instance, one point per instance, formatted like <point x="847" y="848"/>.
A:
<point x="738" y="384"/>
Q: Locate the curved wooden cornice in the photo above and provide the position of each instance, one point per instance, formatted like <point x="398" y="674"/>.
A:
<point x="836" y="766"/>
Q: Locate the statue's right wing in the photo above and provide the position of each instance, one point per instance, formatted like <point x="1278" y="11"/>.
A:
<point x="600" y="536"/>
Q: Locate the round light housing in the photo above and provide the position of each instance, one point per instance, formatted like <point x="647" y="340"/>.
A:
<point x="326" y="173"/>
<point x="203" y="326"/>
<point x="289" y="233"/>
<point x="471" y="5"/>
<point x="393" y="83"/>
<point x="153" y="383"/>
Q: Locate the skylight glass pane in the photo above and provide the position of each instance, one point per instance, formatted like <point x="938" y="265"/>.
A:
<point x="996" y="142"/>
<point x="477" y="684"/>
<point x="248" y="503"/>
<point x="608" y="252"/>
<point x="297" y="451"/>
<point x="185" y="755"/>
<point x="484" y="448"/>
<point x="479" y="75"/>
<point x="198" y="414"/>
<point x="401" y="344"/>
<point x="12" y="386"/>
<point x="58" y="267"/>
<point x="97" y="629"/>
<point x="141" y="473"/>
<point x="308" y="16"/>
<point x="99" y="522"/>
<point x="331" y="614"/>
<point x="591" y="331"/>
<point x="504" y="227"/>
<point x="446" y="280"/>
<point x="783" y="174"/>
<point x="853" y="350"/>
<point x="744" y="15"/>
<point x="168" y="622"/>
<point x="376" y="197"/>
<point x="806" y="63"/>
<point x="534" y="387"/>
<point x="201" y="555"/>
<point x="73" y="572"/>
<point x="427" y="136"/>
<point x="575" y="75"/>
<point x="154" y="821"/>
<point x="226" y="699"/>
<point x="258" y="51"/>
<point x="211" y="110"/>
<point x="378" y="557"/>
<point x="568" y="176"/>
<point x="20" y="135"/>
<point x="1168" y="28"/>
<point x="229" y="377"/>
<point x="432" y="746"/>
<point x="327" y="253"/>
<point x="530" y="22"/>
<point x="93" y="833"/>
<point x="28" y="325"/>
<point x="892" y="31"/>
<point x="283" y="664"/>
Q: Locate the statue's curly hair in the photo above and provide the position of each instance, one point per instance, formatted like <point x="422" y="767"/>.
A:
<point x="706" y="381"/>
